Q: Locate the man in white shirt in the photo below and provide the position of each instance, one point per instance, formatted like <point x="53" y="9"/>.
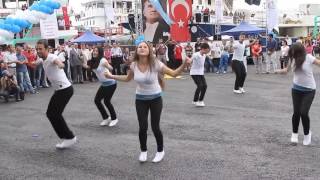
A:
<point x="54" y="70"/>
<point x="10" y="59"/>
<point x="238" y="64"/>
<point x="197" y="74"/>
<point x="116" y="59"/>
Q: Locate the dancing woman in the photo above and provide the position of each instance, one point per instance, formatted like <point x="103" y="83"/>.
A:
<point x="145" y="70"/>
<point x="108" y="86"/>
<point x="303" y="90"/>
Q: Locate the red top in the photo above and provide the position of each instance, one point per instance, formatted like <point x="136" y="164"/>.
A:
<point x="309" y="49"/>
<point x="178" y="53"/>
<point x="256" y="50"/>
<point x="31" y="59"/>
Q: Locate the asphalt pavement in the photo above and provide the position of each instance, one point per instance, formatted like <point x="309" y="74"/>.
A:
<point x="234" y="137"/>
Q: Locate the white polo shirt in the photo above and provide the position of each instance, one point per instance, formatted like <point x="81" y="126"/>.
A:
<point x="239" y="50"/>
<point x="56" y="75"/>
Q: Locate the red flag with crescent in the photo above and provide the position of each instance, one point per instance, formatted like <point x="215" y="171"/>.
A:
<point x="180" y="12"/>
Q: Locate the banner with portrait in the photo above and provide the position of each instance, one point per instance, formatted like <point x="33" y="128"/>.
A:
<point x="156" y="22"/>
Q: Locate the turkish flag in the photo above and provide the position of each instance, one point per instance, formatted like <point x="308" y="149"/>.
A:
<point x="66" y="17"/>
<point x="180" y="12"/>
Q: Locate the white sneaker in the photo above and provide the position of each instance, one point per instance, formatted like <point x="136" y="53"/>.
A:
<point x="237" y="91"/>
<point x="66" y="143"/>
<point x="307" y="139"/>
<point x="224" y="72"/>
<point x="158" y="157"/>
<point x="143" y="156"/>
<point x="113" y="122"/>
<point x="242" y="90"/>
<point x="200" y="104"/>
<point x="105" y="122"/>
<point x="194" y="102"/>
<point x="294" y="138"/>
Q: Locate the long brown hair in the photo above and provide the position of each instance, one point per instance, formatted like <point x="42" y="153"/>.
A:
<point x="297" y="53"/>
<point x="151" y="57"/>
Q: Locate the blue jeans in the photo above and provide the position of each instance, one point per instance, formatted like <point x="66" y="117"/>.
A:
<point x="24" y="82"/>
<point x="209" y="65"/>
<point x="224" y="62"/>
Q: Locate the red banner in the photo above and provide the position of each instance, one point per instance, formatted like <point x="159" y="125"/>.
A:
<point x="180" y="12"/>
<point x="66" y="17"/>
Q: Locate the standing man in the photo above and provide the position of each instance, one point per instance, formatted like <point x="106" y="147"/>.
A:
<point x="76" y="65"/>
<point x="116" y="59"/>
<point x="10" y="60"/>
<point x="54" y="70"/>
<point x="161" y="51"/>
<point x="271" y="54"/>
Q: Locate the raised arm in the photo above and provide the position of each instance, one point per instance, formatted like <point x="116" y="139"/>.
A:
<point x="123" y="78"/>
<point x="178" y="71"/>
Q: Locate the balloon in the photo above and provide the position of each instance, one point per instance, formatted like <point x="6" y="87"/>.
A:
<point x="9" y="20"/>
<point x="22" y="23"/>
<point x="39" y="15"/>
<point x="45" y="9"/>
<point x="51" y="4"/>
<point x="15" y="28"/>
<point x="6" y="34"/>
<point x="29" y="16"/>
<point x="2" y="40"/>
<point x="139" y="40"/>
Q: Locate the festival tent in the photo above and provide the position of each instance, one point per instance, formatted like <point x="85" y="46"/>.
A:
<point x="89" y="37"/>
<point x="245" y="28"/>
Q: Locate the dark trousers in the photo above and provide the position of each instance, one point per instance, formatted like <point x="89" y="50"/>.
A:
<point x="201" y="83"/>
<point x="77" y="74"/>
<point x="32" y="75"/>
<point x="56" y="106"/>
<point x="284" y="62"/>
<point x="116" y="61"/>
<point x="301" y="105"/>
<point x="240" y="70"/>
<point x="142" y="108"/>
<point x="106" y="93"/>
<point x="84" y="74"/>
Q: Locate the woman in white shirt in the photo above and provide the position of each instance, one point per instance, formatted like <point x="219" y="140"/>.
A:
<point x="303" y="90"/>
<point x="145" y="70"/>
<point x="284" y="54"/>
<point x="99" y="66"/>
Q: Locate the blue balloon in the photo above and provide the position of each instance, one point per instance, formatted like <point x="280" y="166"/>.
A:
<point x="45" y="9"/>
<point x="22" y="23"/>
<point x="9" y="20"/>
<point x="34" y="7"/>
<point x="139" y="40"/>
<point x="15" y="28"/>
<point x="51" y="4"/>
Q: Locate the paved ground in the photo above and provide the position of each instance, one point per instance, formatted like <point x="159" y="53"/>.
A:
<point x="233" y="137"/>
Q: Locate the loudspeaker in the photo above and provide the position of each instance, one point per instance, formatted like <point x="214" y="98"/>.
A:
<point x="255" y="2"/>
<point x="131" y="20"/>
<point x="198" y="17"/>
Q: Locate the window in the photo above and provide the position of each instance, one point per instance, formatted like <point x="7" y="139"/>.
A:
<point x="209" y="2"/>
<point x="100" y="5"/>
<point x="92" y="22"/>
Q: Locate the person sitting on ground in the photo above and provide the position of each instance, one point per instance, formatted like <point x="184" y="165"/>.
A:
<point x="9" y="85"/>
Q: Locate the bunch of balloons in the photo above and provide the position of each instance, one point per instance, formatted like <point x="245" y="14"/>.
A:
<point x="24" y="19"/>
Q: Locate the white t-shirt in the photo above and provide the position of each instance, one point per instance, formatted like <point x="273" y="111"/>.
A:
<point x="239" y="50"/>
<point x="304" y="76"/>
<point x="100" y="73"/>
<point x="55" y="75"/>
<point x="10" y="57"/>
<point x="148" y="83"/>
<point x="197" y="67"/>
<point x="284" y="51"/>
